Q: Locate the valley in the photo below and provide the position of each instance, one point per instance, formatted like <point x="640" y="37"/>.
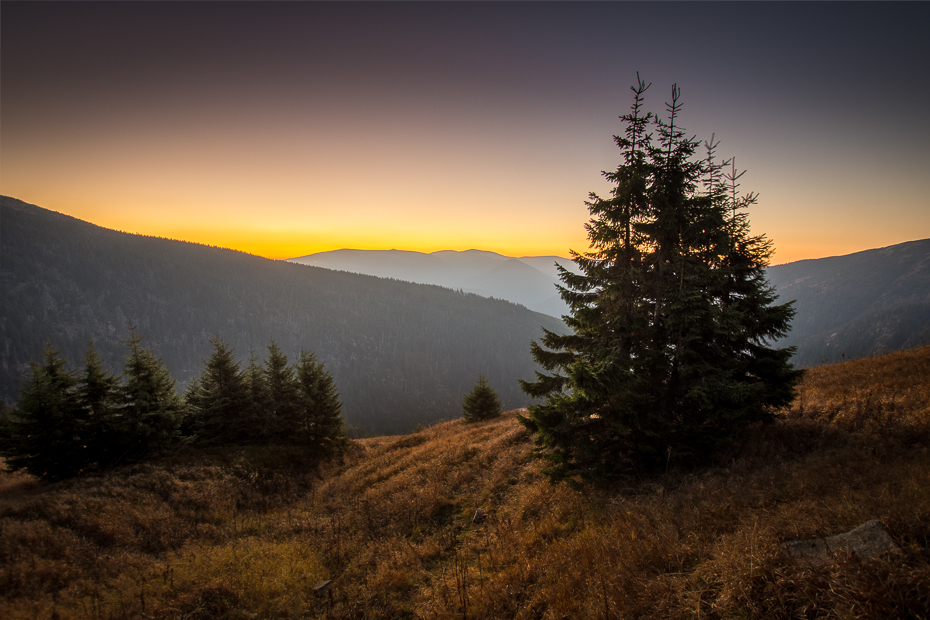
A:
<point x="401" y="354"/>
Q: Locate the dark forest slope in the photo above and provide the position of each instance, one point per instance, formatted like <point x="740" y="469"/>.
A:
<point x="400" y="353"/>
<point x="861" y="304"/>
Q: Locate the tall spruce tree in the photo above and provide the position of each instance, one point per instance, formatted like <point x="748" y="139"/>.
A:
<point x="671" y="317"/>
<point x="151" y="412"/>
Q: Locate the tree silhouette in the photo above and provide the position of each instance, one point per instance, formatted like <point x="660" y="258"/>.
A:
<point x="98" y="393"/>
<point x="321" y="426"/>
<point x="283" y="411"/>
<point x="151" y="412"/>
<point x="44" y="435"/>
<point x="219" y="398"/>
<point x="671" y="316"/>
<point x="481" y="403"/>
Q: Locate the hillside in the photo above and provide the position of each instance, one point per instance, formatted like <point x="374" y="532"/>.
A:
<point x="388" y="532"/>
<point x="848" y="307"/>
<point x="860" y="304"/>
<point x="400" y="353"/>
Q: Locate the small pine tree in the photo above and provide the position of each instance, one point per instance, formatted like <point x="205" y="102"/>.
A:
<point x="481" y="403"/>
<point x="218" y="399"/>
<point x="283" y="412"/>
<point x="98" y="392"/>
<point x="8" y="426"/>
<point x="151" y="412"/>
<point x="321" y="425"/>
<point x="44" y="435"/>
<point x="258" y="402"/>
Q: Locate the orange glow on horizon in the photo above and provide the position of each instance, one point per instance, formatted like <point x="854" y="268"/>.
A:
<point x="270" y="238"/>
<point x="285" y="232"/>
<point x="294" y="245"/>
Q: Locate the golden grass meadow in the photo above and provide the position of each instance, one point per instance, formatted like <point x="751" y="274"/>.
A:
<point x="387" y="531"/>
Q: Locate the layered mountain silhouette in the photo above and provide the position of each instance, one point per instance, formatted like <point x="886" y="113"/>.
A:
<point x="529" y="281"/>
<point x="861" y="304"/>
<point x="400" y="353"/>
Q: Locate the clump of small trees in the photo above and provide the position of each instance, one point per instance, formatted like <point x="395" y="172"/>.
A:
<point x="66" y="423"/>
<point x="671" y="320"/>
<point x="481" y="403"/>
<point x="272" y="403"/>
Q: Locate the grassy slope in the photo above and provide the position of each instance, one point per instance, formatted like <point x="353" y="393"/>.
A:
<point x="248" y="533"/>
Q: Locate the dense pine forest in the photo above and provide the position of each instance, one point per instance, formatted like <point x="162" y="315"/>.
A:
<point x="400" y="353"/>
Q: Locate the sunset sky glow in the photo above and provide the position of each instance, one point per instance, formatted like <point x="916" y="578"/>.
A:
<point x="284" y="129"/>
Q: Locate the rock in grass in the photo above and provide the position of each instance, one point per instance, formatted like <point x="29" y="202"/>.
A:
<point x="866" y="541"/>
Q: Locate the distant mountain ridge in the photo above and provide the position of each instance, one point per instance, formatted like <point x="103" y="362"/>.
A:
<point x="529" y="281"/>
<point x="866" y="303"/>
<point x="400" y="353"/>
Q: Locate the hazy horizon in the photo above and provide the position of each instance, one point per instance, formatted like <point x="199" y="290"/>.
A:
<point x="565" y="256"/>
<point x="287" y="129"/>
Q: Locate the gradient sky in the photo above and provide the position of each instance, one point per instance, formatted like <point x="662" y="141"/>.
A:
<point x="284" y="129"/>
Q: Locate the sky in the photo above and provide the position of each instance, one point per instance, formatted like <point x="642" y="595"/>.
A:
<point x="284" y="129"/>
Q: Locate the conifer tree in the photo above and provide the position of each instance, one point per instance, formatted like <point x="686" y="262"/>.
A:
<point x="151" y="412"/>
<point x="258" y="403"/>
<point x="8" y="426"/>
<point x="44" y="435"/>
<point x="321" y="423"/>
<point x="481" y="403"/>
<point x="671" y="317"/>
<point x="283" y="412"/>
<point x="98" y="392"/>
<point x="219" y="398"/>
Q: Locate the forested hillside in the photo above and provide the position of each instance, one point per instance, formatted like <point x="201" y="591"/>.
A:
<point x="400" y="353"/>
<point x="861" y="304"/>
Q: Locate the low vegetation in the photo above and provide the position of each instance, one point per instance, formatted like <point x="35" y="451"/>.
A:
<point x="389" y="530"/>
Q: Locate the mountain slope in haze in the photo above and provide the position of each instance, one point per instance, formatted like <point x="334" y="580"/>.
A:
<point x="400" y="353"/>
<point x="529" y="281"/>
<point x="867" y="303"/>
<point x="861" y="304"/>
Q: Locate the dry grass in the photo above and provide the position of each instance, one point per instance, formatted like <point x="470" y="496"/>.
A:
<point x="248" y="534"/>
